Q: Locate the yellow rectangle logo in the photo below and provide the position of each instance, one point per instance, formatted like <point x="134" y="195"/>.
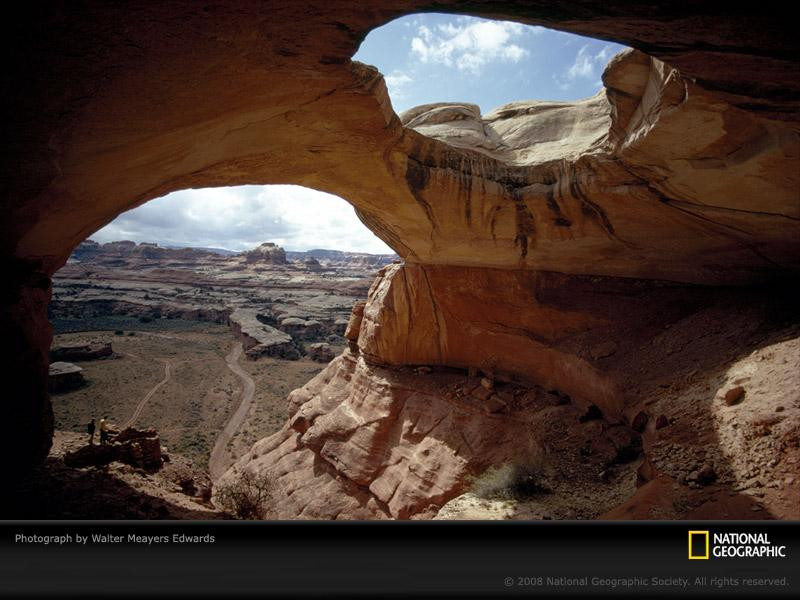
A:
<point x="697" y="534"/>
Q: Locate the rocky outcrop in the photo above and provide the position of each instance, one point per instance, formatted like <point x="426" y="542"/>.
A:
<point x="683" y="170"/>
<point x="64" y="376"/>
<point x="354" y="324"/>
<point x="138" y="448"/>
<point x="366" y="442"/>
<point x="267" y="253"/>
<point x="260" y="339"/>
<point x="588" y="354"/>
<point x="68" y="352"/>
<point x="301" y="329"/>
<point x="443" y="316"/>
<point x="320" y="352"/>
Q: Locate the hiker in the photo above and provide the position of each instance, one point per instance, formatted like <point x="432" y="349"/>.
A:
<point x="103" y="430"/>
<point x="90" y="429"/>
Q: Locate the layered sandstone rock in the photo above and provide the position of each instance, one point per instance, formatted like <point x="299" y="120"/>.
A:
<point x="81" y="352"/>
<point x="683" y="169"/>
<point x="260" y="339"/>
<point x="434" y="315"/>
<point x="370" y="442"/>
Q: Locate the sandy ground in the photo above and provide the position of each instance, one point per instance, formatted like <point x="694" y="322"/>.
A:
<point x="190" y="406"/>
<point x="188" y="409"/>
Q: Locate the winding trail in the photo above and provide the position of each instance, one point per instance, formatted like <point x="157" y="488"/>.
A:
<point x="143" y="401"/>
<point x="217" y="462"/>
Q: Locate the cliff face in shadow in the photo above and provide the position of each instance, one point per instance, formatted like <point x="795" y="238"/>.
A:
<point x="540" y="241"/>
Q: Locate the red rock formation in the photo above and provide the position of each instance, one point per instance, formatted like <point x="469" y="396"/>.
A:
<point x="683" y="169"/>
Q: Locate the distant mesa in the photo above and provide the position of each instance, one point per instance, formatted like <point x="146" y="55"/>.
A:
<point x="125" y="250"/>
<point x="125" y="253"/>
<point x="312" y="264"/>
<point x="268" y="253"/>
<point x="340" y="258"/>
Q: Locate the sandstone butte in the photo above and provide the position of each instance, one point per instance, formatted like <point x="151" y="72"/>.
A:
<point x="528" y="235"/>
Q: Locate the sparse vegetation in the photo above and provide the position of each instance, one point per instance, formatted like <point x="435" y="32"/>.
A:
<point x="512" y="481"/>
<point x="248" y="496"/>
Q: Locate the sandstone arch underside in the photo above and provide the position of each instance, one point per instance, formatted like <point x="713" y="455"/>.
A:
<point x="682" y="171"/>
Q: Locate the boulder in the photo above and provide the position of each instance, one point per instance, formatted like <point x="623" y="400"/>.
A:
<point x="320" y="352"/>
<point x="734" y="395"/>
<point x="63" y="377"/>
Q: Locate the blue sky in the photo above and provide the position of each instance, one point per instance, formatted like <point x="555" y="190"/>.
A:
<point x="447" y="58"/>
<point x="424" y="58"/>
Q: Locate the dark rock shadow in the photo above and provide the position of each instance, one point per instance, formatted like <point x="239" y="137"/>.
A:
<point x="56" y="491"/>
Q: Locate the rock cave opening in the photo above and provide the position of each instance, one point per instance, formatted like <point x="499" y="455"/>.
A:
<point x="181" y="328"/>
<point x="594" y="298"/>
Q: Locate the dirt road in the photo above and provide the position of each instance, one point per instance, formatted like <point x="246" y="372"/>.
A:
<point x="143" y="401"/>
<point x="219" y="461"/>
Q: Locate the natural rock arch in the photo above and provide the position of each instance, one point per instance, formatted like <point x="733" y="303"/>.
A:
<point x="113" y="106"/>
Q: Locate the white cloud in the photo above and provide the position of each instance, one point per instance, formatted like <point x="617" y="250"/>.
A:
<point x="585" y="66"/>
<point x="469" y="44"/>
<point x="242" y="217"/>
<point x="602" y="57"/>
<point x="396" y="82"/>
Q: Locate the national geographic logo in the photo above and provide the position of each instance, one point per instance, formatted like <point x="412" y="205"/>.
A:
<point x="703" y="545"/>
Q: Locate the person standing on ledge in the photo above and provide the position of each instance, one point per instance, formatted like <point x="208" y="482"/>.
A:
<point x="90" y="429"/>
<point x="103" y="430"/>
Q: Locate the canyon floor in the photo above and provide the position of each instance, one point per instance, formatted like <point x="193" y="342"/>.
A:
<point x="190" y="409"/>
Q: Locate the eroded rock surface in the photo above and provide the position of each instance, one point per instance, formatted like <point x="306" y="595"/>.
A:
<point x="372" y="442"/>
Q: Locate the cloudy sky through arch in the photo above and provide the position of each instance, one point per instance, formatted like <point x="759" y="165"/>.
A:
<point x="424" y="58"/>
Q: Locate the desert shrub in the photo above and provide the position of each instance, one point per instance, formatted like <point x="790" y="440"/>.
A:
<point x="512" y="481"/>
<point x="248" y="496"/>
<point x="118" y="332"/>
